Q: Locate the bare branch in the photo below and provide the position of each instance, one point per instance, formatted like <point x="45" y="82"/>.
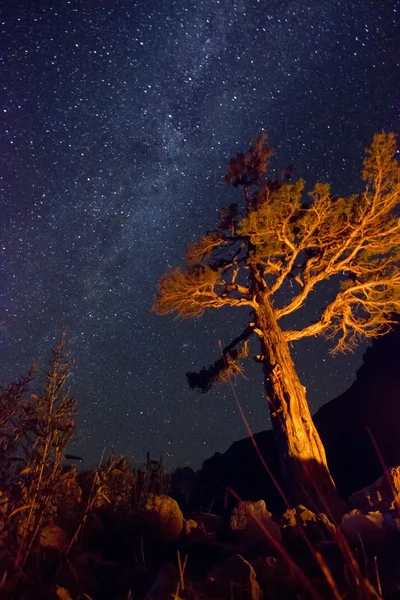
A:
<point x="202" y="249"/>
<point x="247" y="168"/>
<point x="355" y="240"/>
<point x="354" y="234"/>
<point x="229" y="364"/>
<point x="360" y="311"/>
<point x="189" y="294"/>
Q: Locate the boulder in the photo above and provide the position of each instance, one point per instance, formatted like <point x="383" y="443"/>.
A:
<point x="383" y="495"/>
<point x="251" y="520"/>
<point x="211" y="523"/>
<point x="273" y="575"/>
<point x="189" y="525"/>
<point x="165" y="584"/>
<point x="62" y="593"/>
<point x="374" y="530"/>
<point x="266" y="567"/>
<point x="52" y="536"/>
<point x="196" y="533"/>
<point x="163" y="517"/>
<point x="317" y="527"/>
<point x="236" y="570"/>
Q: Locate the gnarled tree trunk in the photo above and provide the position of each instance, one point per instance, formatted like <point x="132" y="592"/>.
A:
<point x="305" y="468"/>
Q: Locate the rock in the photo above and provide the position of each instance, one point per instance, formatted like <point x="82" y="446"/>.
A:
<point x="62" y="593"/>
<point x="238" y="571"/>
<point x="189" y="525"/>
<point x="165" y="584"/>
<point x="52" y="536"/>
<point x="335" y="561"/>
<point x="298" y="516"/>
<point x="273" y="575"/>
<point x="375" y="530"/>
<point x="195" y="532"/>
<point x="211" y="523"/>
<point x="266" y="568"/>
<point x="317" y="527"/>
<point x="164" y="517"/>
<point x="381" y="495"/>
<point x="252" y="521"/>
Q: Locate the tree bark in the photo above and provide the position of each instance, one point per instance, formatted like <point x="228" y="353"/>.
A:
<point x="305" y="469"/>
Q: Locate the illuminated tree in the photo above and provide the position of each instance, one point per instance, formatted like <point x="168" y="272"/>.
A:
<point x="270" y="255"/>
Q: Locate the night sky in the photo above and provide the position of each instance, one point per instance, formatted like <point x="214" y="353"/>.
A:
<point x="117" y="121"/>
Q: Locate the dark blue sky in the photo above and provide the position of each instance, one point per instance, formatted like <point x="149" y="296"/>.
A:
<point x="118" y="119"/>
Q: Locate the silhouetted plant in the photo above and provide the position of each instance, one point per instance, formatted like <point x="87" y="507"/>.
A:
<point x="12" y="398"/>
<point x="47" y="424"/>
<point x="152" y="478"/>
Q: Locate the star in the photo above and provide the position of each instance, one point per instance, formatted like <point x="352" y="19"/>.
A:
<point x="118" y="122"/>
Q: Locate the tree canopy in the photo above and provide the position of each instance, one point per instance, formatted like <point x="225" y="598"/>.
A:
<point x="301" y="239"/>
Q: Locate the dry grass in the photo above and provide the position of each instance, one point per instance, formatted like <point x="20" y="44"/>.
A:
<point x="39" y="490"/>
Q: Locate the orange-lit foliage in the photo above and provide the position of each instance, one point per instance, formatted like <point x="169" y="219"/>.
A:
<point x="43" y="499"/>
<point x="269" y="255"/>
<point x="46" y="550"/>
<point x="46" y="428"/>
<point x="302" y="241"/>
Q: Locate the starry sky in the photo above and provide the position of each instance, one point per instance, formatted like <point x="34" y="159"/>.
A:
<point x="118" y="118"/>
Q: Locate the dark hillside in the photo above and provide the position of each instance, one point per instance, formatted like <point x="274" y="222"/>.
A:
<point x="372" y="401"/>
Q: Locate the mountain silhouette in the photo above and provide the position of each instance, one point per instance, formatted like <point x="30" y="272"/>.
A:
<point x="372" y="402"/>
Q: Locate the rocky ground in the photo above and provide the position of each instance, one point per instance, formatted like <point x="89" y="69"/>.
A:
<point x="159" y="553"/>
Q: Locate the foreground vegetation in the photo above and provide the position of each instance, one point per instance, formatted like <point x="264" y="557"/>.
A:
<point x="39" y="489"/>
<point x="116" y="532"/>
